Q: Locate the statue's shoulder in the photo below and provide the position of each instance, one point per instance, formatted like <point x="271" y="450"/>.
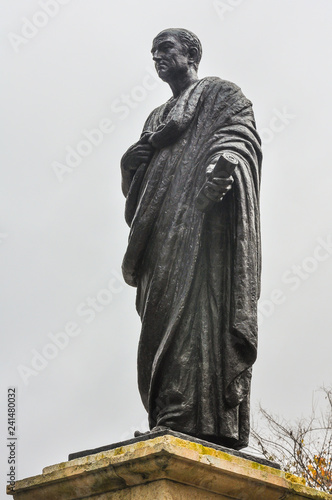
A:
<point x="159" y="109"/>
<point x="218" y="84"/>
<point x="154" y="118"/>
<point x="223" y="92"/>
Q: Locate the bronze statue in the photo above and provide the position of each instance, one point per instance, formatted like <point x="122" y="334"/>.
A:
<point x="196" y="265"/>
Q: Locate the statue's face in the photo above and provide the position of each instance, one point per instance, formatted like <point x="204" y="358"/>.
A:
<point x="170" y="57"/>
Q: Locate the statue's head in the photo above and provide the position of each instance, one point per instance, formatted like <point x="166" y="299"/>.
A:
<point x="176" y="50"/>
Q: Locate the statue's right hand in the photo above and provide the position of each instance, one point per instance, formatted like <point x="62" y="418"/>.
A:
<point x="137" y="153"/>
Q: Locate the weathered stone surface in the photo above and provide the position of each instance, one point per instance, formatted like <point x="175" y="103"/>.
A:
<point x="166" y="468"/>
<point x="153" y="434"/>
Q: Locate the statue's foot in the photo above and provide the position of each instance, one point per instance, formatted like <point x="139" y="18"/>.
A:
<point x="138" y="433"/>
<point x="154" y="429"/>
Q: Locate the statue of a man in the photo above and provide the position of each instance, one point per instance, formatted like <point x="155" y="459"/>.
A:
<point x="197" y="274"/>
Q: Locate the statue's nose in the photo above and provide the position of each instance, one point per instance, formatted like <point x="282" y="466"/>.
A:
<point x="156" y="56"/>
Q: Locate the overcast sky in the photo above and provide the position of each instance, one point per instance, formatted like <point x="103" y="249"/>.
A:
<point x="77" y="87"/>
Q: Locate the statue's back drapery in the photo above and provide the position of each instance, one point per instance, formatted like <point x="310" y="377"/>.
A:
<point x="197" y="275"/>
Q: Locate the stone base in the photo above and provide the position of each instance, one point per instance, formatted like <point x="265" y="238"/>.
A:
<point x="162" y="432"/>
<point x="166" y="468"/>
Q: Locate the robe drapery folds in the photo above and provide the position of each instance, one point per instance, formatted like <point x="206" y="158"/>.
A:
<point x="197" y="275"/>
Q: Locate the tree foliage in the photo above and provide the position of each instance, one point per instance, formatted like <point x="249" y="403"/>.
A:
<point x="304" y="447"/>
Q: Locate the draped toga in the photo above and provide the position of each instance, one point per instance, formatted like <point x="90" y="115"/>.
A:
<point x="197" y="275"/>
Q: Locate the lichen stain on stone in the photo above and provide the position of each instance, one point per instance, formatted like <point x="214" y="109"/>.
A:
<point x="294" y="479"/>
<point x="118" y="451"/>
<point x="203" y="450"/>
<point x="62" y="465"/>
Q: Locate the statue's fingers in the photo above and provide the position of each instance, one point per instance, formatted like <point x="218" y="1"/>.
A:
<point x="223" y="181"/>
<point x="213" y="193"/>
<point x="143" y="148"/>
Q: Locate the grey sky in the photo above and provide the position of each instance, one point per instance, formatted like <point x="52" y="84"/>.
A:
<point x="89" y="66"/>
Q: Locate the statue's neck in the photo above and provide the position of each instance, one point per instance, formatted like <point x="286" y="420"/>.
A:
<point x="180" y="84"/>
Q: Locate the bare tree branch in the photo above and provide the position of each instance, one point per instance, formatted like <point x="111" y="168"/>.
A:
<point x="303" y="447"/>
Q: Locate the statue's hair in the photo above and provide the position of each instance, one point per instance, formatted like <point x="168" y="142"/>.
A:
<point x="188" y="39"/>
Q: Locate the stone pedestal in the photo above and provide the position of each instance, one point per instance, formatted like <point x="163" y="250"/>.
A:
<point x="166" y="468"/>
